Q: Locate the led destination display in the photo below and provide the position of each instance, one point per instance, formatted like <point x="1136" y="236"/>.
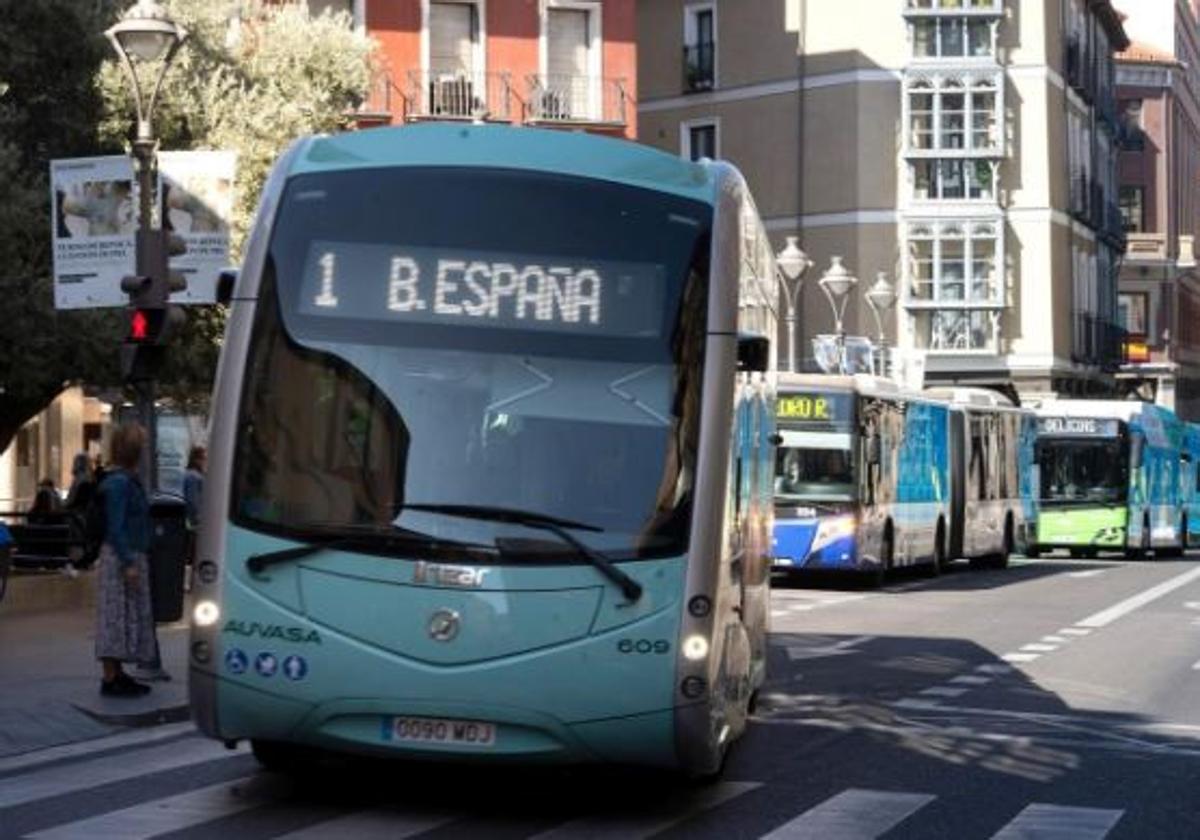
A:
<point x="1079" y="426"/>
<point x="482" y="289"/>
<point x="815" y="408"/>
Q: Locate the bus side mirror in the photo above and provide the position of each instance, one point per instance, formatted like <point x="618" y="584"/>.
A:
<point x="225" y="283"/>
<point x="753" y="354"/>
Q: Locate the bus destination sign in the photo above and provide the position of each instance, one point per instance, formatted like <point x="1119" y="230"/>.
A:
<point x="375" y="282"/>
<point x="1079" y="426"/>
<point x="815" y="408"/>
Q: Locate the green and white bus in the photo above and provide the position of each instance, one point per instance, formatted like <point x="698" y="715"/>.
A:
<point x="1110" y="478"/>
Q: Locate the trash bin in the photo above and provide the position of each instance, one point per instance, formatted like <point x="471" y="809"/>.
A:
<point x="168" y="554"/>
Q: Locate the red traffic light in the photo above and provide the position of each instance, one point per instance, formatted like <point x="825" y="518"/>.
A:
<point x="139" y="326"/>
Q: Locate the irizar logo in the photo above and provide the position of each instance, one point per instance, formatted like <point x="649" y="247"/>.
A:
<point x="272" y="631"/>
<point x="448" y="575"/>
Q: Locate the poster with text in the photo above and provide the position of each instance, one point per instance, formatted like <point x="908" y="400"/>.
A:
<point x="197" y="205"/>
<point x="94" y="206"/>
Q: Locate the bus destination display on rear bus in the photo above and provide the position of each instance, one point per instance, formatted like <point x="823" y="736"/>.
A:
<point x="455" y="286"/>
<point x="815" y="408"/>
<point x="1079" y="427"/>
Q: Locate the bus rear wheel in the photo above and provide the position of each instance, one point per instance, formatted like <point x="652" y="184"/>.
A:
<point x="939" y="552"/>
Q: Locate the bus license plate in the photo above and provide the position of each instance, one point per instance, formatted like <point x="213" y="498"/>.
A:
<point x="443" y="731"/>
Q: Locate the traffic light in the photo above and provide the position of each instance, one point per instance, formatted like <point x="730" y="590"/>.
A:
<point x="152" y="318"/>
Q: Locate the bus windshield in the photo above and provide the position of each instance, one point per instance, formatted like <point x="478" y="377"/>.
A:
<point x="1087" y="471"/>
<point x="485" y="337"/>
<point x="813" y="467"/>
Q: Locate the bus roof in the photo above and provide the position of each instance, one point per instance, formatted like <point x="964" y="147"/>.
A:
<point x="537" y="150"/>
<point x="860" y="383"/>
<point x="1125" y="410"/>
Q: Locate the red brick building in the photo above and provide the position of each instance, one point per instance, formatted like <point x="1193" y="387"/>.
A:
<point x="560" y="63"/>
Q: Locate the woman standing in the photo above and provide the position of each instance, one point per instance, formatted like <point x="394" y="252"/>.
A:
<point x="124" y="622"/>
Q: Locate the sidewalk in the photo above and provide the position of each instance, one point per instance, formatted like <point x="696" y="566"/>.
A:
<point x="50" y="679"/>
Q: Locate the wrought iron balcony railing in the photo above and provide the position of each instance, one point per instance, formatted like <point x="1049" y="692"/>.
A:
<point x="699" y="66"/>
<point x="459" y="95"/>
<point x="576" y="99"/>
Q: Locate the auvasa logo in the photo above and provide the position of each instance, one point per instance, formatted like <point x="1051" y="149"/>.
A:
<point x="272" y="631"/>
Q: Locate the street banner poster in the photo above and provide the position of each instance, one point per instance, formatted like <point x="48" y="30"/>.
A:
<point x="94" y="204"/>
<point x="197" y="205"/>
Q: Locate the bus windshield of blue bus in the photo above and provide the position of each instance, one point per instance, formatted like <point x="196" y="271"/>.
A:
<point x="477" y="337"/>
<point x="1082" y="471"/>
<point x="813" y="467"/>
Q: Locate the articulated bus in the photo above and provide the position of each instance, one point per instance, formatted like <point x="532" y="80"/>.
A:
<point x="491" y="459"/>
<point x="993" y="485"/>
<point x="871" y="477"/>
<point x="862" y="476"/>
<point x="1110" y="478"/>
<point x="1189" y="484"/>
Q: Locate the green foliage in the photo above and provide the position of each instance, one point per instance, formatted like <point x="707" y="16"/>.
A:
<point x="250" y="84"/>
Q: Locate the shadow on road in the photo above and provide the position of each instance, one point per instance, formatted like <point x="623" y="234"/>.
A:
<point x="959" y="575"/>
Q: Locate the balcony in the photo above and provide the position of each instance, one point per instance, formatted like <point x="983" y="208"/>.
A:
<point x="576" y="100"/>
<point x="383" y="103"/>
<point x="985" y="8"/>
<point x="1145" y="246"/>
<point x="435" y="95"/>
<point x="699" y="66"/>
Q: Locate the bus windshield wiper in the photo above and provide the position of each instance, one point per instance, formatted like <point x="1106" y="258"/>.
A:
<point x="391" y="535"/>
<point x="561" y="528"/>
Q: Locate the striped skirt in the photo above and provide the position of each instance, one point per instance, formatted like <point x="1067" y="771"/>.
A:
<point x="124" y="621"/>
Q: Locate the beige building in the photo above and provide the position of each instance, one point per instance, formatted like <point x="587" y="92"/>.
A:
<point x="964" y="147"/>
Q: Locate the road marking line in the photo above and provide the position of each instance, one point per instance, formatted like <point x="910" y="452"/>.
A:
<point x="1088" y="574"/>
<point x="778" y="613"/>
<point x="1192" y="605"/>
<point x="659" y="817"/>
<point x="1075" y="631"/>
<point x="1058" y="822"/>
<point x="967" y="679"/>
<point x="1039" y="648"/>
<point x="800" y="607"/>
<point x="994" y="669"/>
<point x="1058" y="640"/>
<point x="159" y="816"/>
<point x="916" y="703"/>
<point x="853" y="815"/>
<point x="1020" y="657"/>
<point x="944" y="691"/>
<point x="139" y="737"/>
<point x="1123" y="608"/>
<point x="78" y="776"/>
<point x="1196" y="667"/>
<point x="372" y="824"/>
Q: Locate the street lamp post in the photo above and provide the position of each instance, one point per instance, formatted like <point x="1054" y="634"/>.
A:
<point x="792" y="263"/>
<point x="836" y="284"/>
<point x="881" y="297"/>
<point x="146" y="35"/>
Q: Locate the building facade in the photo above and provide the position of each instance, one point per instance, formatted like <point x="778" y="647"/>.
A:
<point x="1158" y="90"/>
<point x="551" y="63"/>
<point x="967" y="148"/>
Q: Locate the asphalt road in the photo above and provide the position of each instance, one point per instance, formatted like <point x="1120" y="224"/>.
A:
<point x="1056" y="699"/>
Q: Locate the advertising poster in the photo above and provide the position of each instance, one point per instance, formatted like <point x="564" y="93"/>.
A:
<point x="197" y="204"/>
<point x="94" y="206"/>
<point x="94" y="203"/>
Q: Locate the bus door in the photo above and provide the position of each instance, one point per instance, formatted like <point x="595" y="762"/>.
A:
<point x="958" y="482"/>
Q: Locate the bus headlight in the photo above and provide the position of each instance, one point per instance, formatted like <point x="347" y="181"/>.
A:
<point x="833" y="529"/>
<point x="206" y="614"/>
<point x="695" y="647"/>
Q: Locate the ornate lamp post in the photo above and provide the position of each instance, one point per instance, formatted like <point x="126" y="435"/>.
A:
<point x="144" y="36"/>
<point x="837" y="283"/>
<point x="792" y="263"/>
<point x="881" y="297"/>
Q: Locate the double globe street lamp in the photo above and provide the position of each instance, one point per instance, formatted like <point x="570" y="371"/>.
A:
<point x="792" y="263"/>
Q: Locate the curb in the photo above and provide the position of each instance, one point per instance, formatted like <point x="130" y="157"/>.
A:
<point x="152" y="717"/>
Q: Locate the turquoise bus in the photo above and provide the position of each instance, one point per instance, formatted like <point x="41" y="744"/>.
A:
<point x="1189" y="484"/>
<point x="1110" y="474"/>
<point x="491" y="457"/>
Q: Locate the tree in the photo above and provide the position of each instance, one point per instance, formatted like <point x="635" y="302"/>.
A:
<point x="251" y="83"/>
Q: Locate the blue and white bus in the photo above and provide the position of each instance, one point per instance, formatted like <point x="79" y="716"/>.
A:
<point x="491" y="457"/>
<point x="862" y="478"/>
<point x="1189" y="489"/>
<point x="1110" y="474"/>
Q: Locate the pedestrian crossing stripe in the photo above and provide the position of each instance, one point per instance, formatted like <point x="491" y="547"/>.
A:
<point x="854" y="814"/>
